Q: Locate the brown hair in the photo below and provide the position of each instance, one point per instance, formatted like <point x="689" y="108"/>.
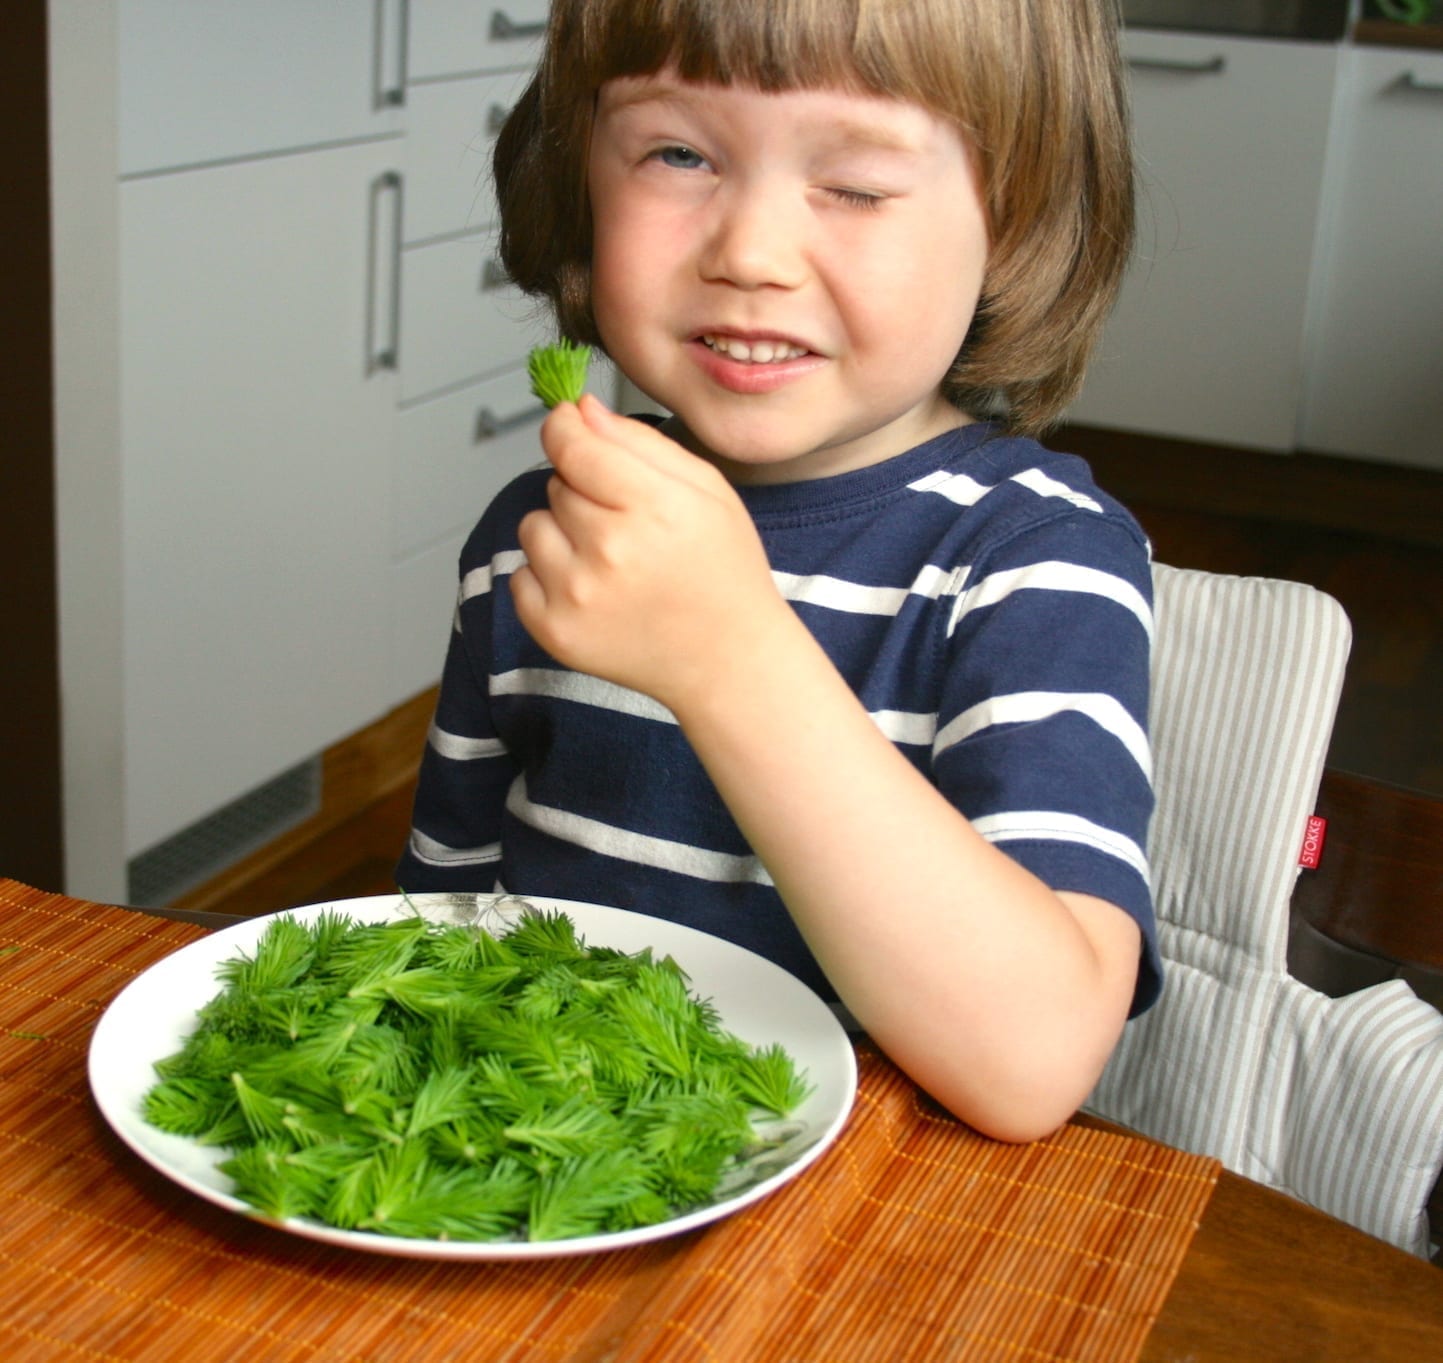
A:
<point x="1035" y="86"/>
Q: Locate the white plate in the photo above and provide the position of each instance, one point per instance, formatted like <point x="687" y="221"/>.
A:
<point x="757" y="1000"/>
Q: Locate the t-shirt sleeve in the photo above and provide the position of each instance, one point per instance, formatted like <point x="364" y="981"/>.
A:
<point x="455" y="840"/>
<point x="1042" y="726"/>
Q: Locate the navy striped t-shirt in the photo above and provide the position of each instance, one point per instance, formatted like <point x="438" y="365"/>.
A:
<point x="988" y="604"/>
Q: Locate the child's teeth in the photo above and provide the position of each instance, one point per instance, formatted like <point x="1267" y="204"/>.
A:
<point x="758" y="352"/>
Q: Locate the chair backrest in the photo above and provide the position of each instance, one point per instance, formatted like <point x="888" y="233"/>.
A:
<point x="1337" y="1101"/>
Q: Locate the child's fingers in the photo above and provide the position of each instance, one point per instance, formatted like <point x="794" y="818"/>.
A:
<point x="583" y="459"/>
<point x="644" y="441"/>
<point x="547" y="548"/>
<point x="577" y="515"/>
<point x="613" y="459"/>
<point x="528" y="597"/>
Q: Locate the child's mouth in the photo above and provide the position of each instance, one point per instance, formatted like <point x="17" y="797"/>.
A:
<point x="754" y="352"/>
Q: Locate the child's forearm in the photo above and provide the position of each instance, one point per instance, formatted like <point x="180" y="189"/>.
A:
<point x="1000" y="997"/>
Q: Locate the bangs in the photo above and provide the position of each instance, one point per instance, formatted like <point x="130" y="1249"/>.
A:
<point x="869" y="46"/>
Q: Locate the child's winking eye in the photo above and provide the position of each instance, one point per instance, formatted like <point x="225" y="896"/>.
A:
<point x="856" y="198"/>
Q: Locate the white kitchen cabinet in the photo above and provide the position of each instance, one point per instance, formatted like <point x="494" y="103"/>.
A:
<point x="254" y="450"/>
<point x="1206" y="342"/>
<point x="211" y="80"/>
<point x="322" y="376"/>
<point x="468" y="420"/>
<point x="1375" y="380"/>
<point x="454" y="37"/>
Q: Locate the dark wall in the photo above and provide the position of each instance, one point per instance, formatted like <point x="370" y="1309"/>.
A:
<point x="30" y="811"/>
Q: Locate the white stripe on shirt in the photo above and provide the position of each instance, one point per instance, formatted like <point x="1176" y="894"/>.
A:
<point x="901" y="726"/>
<point x="478" y="581"/>
<point x="1050" y="825"/>
<point x="1034" y="480"/>
<point x="1025" y="707"/>
<point x="638" y="848"/>
<point x="459" y="748"/>
<point x="857" y="598"/>
<point x="907" y="726"/>
<point x="1055" y="576"/>
<point x="832" y="592"/>
<point x="966" y="491"/>
<point x="435" y="853"/>
<point x="955" y="487"/>
<point x="579" y="687"/>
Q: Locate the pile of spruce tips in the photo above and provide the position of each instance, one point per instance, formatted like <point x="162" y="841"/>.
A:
<point x="415" y="1079"/>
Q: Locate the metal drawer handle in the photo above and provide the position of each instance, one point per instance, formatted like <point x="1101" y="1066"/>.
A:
<point x="489" y="425"/>
<point x="384" y="299"/>
<point x="1211" y="66"/>
<point x="1409" y="81"/>
<point x="389" y="95"/>
<point x="505" y="29"/>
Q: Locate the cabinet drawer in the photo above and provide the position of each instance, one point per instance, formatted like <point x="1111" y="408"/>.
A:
<point x="457" y="321"/>
<point x="213" y="80"/>
<point x="457" y="37"/>
<point x="451" y="129"/>
<point x="454" y="453"/>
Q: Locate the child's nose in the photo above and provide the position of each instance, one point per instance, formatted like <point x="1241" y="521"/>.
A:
<point x="756" y="239"/>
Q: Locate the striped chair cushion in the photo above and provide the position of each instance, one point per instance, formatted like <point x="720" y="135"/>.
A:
<point x="1336" y="1101"/>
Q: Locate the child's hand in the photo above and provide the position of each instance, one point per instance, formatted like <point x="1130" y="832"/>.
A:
<point x="646" y="570"/>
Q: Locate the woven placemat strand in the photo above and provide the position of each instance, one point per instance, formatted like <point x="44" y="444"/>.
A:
<point x="911" y="1239"/>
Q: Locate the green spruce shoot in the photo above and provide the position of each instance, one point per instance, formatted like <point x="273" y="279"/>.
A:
<point x="558" y="372"/>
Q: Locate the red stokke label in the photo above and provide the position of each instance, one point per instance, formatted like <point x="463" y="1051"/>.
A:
<point x="1313" y="836"/>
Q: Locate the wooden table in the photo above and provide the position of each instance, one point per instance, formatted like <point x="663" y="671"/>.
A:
<point x="1268" y="1278"/>
<point x="912" y="1238"/>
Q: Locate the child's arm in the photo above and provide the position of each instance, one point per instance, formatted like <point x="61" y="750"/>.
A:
<point x="1001" y="997"/>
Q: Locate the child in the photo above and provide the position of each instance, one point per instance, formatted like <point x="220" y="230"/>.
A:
<point x="828" y="663"/>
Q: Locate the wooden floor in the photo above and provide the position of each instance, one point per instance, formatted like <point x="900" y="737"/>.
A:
<point x="1371" y="536"/>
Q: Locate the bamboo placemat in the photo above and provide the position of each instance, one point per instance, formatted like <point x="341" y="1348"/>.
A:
<point x="911" y="1239"/>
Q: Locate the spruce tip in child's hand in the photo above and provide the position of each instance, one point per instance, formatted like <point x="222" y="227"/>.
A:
<point x="558" y="372"/>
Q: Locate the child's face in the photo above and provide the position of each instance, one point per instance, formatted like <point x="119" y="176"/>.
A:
<point x="791" y="274"/>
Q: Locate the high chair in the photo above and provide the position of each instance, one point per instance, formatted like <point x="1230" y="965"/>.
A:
<point x="1337" y="1101"/>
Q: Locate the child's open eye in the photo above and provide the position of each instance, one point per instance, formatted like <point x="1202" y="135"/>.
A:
<point x="680" y="158"/>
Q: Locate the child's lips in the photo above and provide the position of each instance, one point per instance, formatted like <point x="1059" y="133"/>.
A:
<point x="753" y="362"/>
